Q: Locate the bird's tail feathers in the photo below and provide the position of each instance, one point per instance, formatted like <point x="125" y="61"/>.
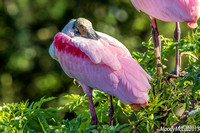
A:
<point x="136" y="81"/>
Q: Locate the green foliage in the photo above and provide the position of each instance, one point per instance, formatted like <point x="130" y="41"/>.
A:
<point x="168" y="100"/>
<point x="26" y="117"/>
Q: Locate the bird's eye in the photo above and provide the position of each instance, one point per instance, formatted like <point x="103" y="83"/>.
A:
<point x="76" y="32"/>
<point x="81" y="27"/>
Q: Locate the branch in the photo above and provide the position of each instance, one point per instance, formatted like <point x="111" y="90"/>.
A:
<point x="134" y="127"/>
<point x="184" y="116"/>
<point x="124" y="127"/>
<point x="172" y="75"/>
<point x="186" y="53"/>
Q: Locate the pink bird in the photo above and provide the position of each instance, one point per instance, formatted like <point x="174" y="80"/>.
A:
<point x="172" y="11"/>
<point x="99" y="61"/>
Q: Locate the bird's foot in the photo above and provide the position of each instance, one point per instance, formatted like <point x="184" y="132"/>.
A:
<point x="176" y="72"/>
<point x="172" y="76"/>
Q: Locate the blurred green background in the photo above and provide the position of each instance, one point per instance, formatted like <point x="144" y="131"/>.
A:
<point x="27" y="29"/>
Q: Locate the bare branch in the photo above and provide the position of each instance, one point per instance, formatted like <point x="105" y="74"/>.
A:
<point x="186" y="53"/>
<point x="134" y="127"/>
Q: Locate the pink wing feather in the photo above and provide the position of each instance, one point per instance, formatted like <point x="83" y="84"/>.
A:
<point x="171" y="10"/>
<point x="95" y="50"/>
<point x="104" y="64"/>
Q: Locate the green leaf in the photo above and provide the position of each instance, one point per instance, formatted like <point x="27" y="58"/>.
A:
<point x="122" y="126"/>
<point x="90" y="128"/>
<point x="66" y="122"/>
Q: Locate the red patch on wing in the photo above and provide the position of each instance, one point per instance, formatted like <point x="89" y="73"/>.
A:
<point x="64" y="43"/>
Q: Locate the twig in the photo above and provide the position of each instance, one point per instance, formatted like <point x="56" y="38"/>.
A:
<point x="186" y="53"/>
<point x="171" y="76"/>
<point x="124" y="127"/>
<point x="134" y="127"/>
<point x="184" y="116"/>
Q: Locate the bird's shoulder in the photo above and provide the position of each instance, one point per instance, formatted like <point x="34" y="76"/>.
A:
<point x="105" y="50"/>
<point x="114" y="43"/>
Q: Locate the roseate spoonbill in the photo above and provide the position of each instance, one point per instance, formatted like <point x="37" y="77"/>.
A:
<point x="97" y="60"/>
<point x="172" y="11"/>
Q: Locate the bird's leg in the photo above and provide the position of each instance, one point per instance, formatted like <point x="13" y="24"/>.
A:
<point x="88" y="92"/>
<point x="111" y="112"/>
<point x="177" y="34"/>
<point x="92" y="110"/>
<point x="157" y="46"/>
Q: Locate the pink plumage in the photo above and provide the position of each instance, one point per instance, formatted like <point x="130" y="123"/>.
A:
<point x="171" y="10"/>
<point x="104" y="64"/>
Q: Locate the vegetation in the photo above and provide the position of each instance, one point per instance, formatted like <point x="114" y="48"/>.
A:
<point x="172" y="103"/>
